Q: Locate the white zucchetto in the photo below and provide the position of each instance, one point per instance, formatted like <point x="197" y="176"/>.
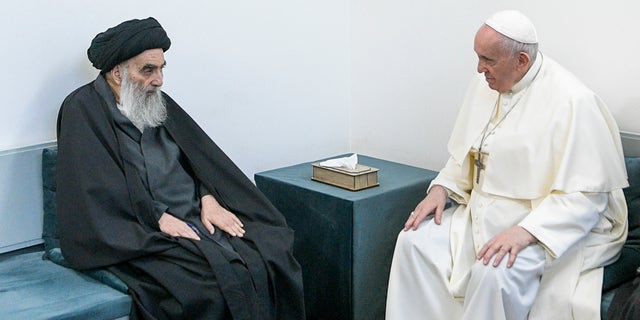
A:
<point x="513" y="24"/>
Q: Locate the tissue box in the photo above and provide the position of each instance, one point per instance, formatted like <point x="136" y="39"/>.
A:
<point x="361" y="177"/>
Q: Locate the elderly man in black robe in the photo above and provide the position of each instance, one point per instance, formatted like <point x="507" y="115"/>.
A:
<point x="144" y="192"/>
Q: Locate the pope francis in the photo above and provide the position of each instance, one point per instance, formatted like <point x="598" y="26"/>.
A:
<point x="534" y="177"/>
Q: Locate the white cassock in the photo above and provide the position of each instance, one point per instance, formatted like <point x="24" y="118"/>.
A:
<point x="553" y="164"/>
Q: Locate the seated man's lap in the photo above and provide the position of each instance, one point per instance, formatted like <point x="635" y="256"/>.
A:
<point x="430" y="245"/>
<point x="187" y="280"/>
<point x="528" y="266"/>
<point x="505" y="292"/>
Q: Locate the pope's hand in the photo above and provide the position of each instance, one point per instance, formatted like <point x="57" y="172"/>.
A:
<point x="214" y="215"/>
<point x="434" y="202"/>
<point x="511" y="241"/>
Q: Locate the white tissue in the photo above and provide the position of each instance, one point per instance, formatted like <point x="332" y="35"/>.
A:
<point x="347" y="162"/>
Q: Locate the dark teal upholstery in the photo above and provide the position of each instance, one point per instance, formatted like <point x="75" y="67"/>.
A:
<point x="624" y="269"/>
<point x="33" y="288"/>
<point x="102" y="275"/>
<point x="49" y="228"/>
<point x="39" y="285"/>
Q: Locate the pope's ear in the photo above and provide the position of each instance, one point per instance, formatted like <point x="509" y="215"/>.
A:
<point x="523" y="59"/>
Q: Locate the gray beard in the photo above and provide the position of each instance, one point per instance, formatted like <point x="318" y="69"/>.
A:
<point x="142" y="109"/>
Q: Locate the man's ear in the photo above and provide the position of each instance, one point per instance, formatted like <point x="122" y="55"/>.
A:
<point x="523" y="60"/>
<point x="116" y="74"/>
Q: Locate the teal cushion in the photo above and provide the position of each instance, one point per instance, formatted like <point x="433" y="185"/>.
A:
<point x="607" y="298"/>
<point x="632" y="194"/>
<point x="33" y="288"/>
<point x="49" y="227"/>
<point x="104" y="276"/>
<point x="624" y="269"/>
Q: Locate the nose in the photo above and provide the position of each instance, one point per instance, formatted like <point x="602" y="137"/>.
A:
<point x="481" y="67"/>
<point x="156" y="79"/>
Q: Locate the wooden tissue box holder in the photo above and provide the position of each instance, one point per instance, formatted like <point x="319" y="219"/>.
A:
<point x="362" y="177"/>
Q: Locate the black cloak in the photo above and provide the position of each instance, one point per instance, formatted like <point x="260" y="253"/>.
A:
<point x="106" y="219"/>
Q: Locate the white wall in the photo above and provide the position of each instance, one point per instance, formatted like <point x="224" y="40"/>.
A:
<point x="412" y="59"/>
<point x="283" y="81"/>
<point x="264" y="78"/>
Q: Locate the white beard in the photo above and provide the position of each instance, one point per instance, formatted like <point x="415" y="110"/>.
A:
<point x="144" y="107"/>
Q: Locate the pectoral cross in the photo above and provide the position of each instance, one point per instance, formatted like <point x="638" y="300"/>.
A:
<point x="479" y="166"/>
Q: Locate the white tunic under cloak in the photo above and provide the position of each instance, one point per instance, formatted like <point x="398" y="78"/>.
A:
<point x="557" y="158"/>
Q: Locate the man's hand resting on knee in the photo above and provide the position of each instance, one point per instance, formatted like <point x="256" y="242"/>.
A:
<point x="434" y="202"/>
<point x="510" y="241"/>
<point x="214" y="215"/>
<point x="176" y="227"/>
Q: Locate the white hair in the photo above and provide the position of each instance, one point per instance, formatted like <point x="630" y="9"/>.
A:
<point x="513" y="47"/>
<point x="144" y="107"/>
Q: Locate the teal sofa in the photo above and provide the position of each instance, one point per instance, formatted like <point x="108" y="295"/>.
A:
<point x="36" y="283"/>
<point x="624" y="269"/>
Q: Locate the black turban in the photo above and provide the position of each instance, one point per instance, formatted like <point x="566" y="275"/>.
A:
<point x="125" y="41"/>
